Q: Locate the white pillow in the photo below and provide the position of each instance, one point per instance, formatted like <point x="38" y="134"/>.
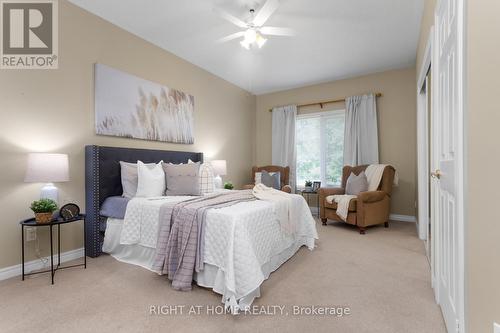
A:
<point x="258" y="177"/>
<point x="151" y="180"/>
<point x="129" y="178"/>
<point x="206" y="178"/>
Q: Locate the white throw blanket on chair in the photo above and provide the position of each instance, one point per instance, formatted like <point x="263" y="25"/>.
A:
<point x="374" y="174"/>
<point x="342" y="201"/>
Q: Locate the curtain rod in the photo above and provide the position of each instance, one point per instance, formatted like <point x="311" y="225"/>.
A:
<point x="326" y="102"/>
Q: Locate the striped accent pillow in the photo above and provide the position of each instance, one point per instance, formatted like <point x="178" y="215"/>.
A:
<point x="206" y="178"/>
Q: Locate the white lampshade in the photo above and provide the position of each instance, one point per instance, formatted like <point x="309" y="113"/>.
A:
<point x="219" y="167"/>
<point x="47" y="168"/>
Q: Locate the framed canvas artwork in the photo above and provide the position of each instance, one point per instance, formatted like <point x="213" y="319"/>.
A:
<point x="128" y="106"/>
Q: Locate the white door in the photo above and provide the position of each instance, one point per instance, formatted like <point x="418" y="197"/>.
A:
<point x="447" y="161"/>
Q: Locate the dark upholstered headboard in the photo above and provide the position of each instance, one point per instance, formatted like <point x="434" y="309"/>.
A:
<point x="103" y="179"/>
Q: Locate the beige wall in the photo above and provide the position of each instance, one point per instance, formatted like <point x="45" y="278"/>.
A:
<point x="397" y="122"/>
<point x="482" y="141"/>
<point x="52" y="110"/>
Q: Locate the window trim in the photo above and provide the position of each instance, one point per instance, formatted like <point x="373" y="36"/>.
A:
<point x="321" y="113"/>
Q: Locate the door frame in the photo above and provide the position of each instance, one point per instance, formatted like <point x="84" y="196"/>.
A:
<point x="423" y="130"/>
<point x="424" y="156"/>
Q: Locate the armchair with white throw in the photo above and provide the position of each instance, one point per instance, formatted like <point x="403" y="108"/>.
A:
<point x="367" y="208"/>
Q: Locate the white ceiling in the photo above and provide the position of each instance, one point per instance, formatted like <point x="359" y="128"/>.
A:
<point x="334" y="38"/>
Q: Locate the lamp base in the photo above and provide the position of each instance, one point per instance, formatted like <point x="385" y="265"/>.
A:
<point x="218" y="182"/>
<point x="49" y="191"/>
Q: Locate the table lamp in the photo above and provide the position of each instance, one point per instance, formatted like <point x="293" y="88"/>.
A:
<point x="47" y="168"/>
<point x="220" y="169"/>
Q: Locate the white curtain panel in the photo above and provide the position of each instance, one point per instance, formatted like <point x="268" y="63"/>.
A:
<point x="361" y="131"/>
<point x="283" y="145"/>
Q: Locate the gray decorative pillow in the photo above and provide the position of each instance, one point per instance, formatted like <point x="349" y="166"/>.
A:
<point x="356" y="184"/>
<point x="270" y="180"/>
<point x="130" y="178"/>
<point x="114" y="207"/>
<point x="182" y="179"/>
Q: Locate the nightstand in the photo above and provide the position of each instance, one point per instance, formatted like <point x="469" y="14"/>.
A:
<point x="307" y="193"/>
<point x="56" y="222"/>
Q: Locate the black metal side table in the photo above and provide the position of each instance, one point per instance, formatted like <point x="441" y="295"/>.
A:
<point x="56" y="222"/>
<point x="308" y="193"/>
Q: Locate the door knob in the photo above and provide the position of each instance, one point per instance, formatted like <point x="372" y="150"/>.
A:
<point x="436" y="174"/>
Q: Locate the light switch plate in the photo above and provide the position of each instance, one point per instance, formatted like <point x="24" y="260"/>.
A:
<point x="496" y="328"/>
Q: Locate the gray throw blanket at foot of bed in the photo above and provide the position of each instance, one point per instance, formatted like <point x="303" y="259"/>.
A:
<point x="179" y="250"/>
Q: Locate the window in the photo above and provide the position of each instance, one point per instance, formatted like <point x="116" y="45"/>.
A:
<point x="320" y="147"/>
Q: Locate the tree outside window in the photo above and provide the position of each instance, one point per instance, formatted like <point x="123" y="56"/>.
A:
<point x="320" y="147"/>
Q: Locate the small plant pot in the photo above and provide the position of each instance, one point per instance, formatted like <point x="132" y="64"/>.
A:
<point x="308" y="188"/>
<point x="43" y="217"/>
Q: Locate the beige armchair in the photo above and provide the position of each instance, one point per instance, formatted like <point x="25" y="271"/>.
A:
<point x="284" y="176"/>
<point x="369" y="208"/>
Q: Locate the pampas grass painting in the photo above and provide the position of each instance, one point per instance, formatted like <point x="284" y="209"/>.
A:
<point x="128" y="106"/>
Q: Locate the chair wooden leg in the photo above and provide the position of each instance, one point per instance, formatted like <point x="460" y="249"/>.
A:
<point x="386" y="224"/>
<point x="361" y="230"/>
<point x="324" y="221"/>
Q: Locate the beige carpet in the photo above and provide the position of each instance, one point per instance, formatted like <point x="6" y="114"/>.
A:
<point x="382" y="276"/>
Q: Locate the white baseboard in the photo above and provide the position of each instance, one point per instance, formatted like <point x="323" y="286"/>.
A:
<point x="16" y="270"/>
<point x="393" y="217"/>
<point x="403" y="218"/>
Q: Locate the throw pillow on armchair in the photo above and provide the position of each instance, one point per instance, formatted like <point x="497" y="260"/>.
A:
<point x="356" y="184"/>
<point x="270" y="180"/>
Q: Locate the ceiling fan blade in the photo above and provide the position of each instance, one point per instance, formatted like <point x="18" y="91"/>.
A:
<point x="275" y="31"/>
<point x="231" y="37"/>
<point x="234" y="20"/>
<point x="265" y="12"/>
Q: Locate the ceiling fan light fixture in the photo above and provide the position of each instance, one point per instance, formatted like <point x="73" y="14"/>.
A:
<point x="250" y="36"/>
<point x="254" y="32"/>
<point x="260" y="41"/>
<point x="245" y="44"/>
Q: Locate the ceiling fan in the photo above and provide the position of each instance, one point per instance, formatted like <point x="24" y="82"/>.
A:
<point x="255" y="32"/>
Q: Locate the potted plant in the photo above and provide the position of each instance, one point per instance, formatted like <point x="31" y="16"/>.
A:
<point x="309" y="185"/>
<point x="228" y="185"/>
<point x="43" y="209"/>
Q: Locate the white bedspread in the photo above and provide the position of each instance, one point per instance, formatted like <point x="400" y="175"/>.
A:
<point x="286" y="206"/>
<point x="140" y="225"/>
<point x="239" y="241"/>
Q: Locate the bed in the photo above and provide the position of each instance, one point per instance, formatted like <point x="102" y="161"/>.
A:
<point x="243" y="243"/>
